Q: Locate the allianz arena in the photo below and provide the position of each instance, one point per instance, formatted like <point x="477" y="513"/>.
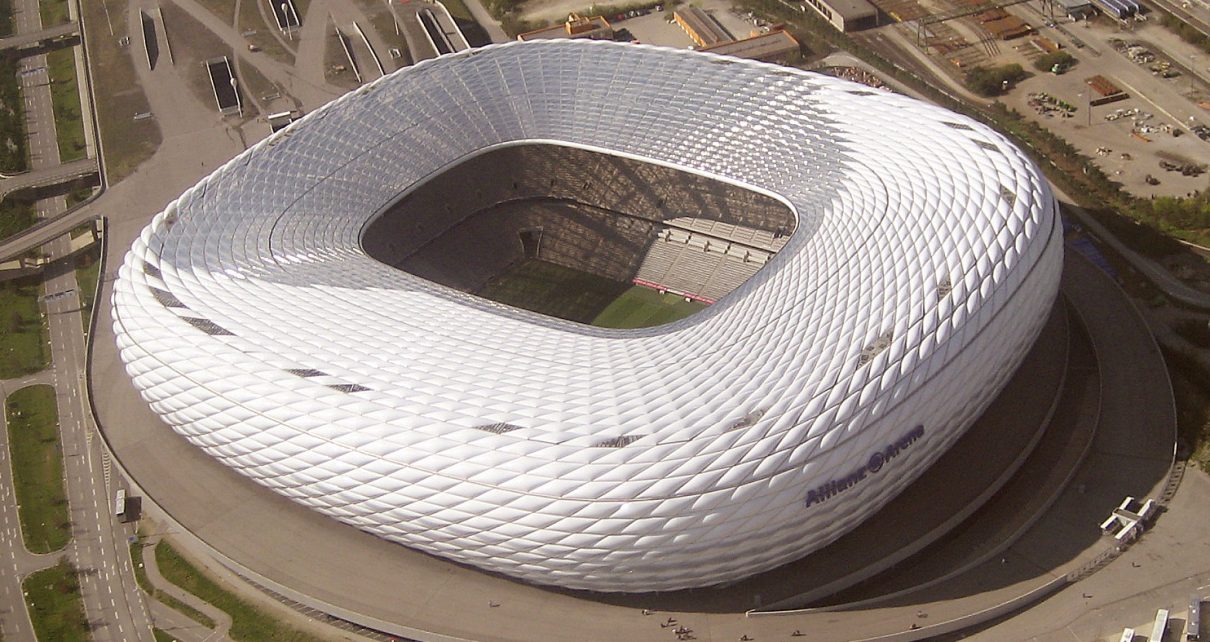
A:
<point x="285" y="316"/>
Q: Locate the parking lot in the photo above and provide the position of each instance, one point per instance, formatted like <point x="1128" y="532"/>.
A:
<point x="1149" y="141"/>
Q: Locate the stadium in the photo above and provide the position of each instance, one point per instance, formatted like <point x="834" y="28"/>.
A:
<point x="336" y="313"/>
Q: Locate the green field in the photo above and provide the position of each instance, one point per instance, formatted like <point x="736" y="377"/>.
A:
<point x="88" y="267"/>
<point x="583" y="297"/>
<point x="140" y="576"/>
<point x="37" y="460"/>
<point x="554" y="290"/>
<point x="641" y="307"/>
<point x="6" y="18"/>
<point x="55" y="607"/>
<point x="16" y="215"/>
<point x="23" y="348"/>
<point x="13" y="157"/>
<point x="65" y="97"/>
<point x="458" y="10"/>
<point x="248" y="623"/>
<point x="54" y="12"/>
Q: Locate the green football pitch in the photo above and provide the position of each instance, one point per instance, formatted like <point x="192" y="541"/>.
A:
<point x="583" y="297"/>
<point x="640" y="307"/>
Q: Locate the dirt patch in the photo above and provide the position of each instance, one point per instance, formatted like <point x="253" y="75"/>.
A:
<point x="224" y="9"/>
<point x="384" y="23"/>
<point x="257" y="90"/>
<point x="337" y="68"/>
<point x="128" y="137"/>
<point x="261" y="31"/>
<point x="192" y="45"/>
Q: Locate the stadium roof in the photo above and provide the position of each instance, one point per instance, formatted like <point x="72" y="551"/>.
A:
<point x="698" y="452"/>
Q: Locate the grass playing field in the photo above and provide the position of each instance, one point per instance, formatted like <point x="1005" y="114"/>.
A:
<point x="641" y="307"/>
<point x="583" y="297"/>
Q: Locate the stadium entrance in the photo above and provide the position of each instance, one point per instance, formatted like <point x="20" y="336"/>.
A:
<point x="581" y="235"/>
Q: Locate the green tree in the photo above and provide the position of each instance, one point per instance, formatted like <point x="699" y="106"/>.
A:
<point x="993" y="81"/>
<point x="1048" y="62"/>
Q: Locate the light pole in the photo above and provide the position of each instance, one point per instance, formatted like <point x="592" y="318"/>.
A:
<point x="235" y="88"/>
<point x="285" y="15"/>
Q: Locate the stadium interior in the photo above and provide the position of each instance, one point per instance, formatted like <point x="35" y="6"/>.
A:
<point x="574" y="223"/>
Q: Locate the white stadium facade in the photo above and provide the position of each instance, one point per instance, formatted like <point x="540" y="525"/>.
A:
<point x="921" y="259"/>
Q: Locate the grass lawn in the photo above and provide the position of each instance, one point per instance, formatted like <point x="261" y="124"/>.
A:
<point x="250" y="17"/>
<point x="249" y="623"/>
<point x="13" y="156"/>
<point x="23" y="347"/>
<point x="161" y="636"/>
<point x="641" y="307"/>
<point x="554" y="290"/>
<point x="583" y="297"/>
<point x="37" y="460"/>
<point x="6" y="18"/>
<point x="54" y="12"/>
<point x="140" y="575"/>
<point x="65" y="96"/>
<point x="224" y="9"/>
<point x="458" y="10"/>
<point x="55" y="607"/>
<point x="15" y="215"/>
<point x="77" y="196"/>
<point x="88" y="268"/>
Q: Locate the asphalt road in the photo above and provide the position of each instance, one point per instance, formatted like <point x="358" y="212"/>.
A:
<point x="15" y="561"/>
<point x="47" y="176"/>
<point x="27" y="38"/>
<point x="113" y="606"/>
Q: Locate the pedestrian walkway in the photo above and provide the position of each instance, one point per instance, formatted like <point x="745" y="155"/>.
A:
<point x="222" y="621"/>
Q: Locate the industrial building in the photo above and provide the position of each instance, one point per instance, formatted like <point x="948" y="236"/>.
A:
<point x="845" y="15"/>
<point x="775" y="46"/>
<point x="591" y="28"/>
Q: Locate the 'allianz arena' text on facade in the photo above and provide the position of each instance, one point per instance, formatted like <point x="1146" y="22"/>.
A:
<point x="925" y="258"/>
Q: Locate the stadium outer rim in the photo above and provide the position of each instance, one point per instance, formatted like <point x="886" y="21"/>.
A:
<point x="977" y="333"/>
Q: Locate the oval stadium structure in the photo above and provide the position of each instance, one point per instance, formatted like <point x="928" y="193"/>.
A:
<point x="921" y="259"/>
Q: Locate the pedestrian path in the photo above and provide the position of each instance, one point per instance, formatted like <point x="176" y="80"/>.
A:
<point x="221" y="619"/>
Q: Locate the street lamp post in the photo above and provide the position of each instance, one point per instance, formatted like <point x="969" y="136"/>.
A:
<point x="235" y="88"/>
<point x="285" y="15"/>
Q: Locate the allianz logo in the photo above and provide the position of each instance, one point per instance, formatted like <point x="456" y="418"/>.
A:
<point x="871" y="466"/>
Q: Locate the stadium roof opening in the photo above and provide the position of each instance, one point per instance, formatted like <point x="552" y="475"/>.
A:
<point x="565" y="230"/>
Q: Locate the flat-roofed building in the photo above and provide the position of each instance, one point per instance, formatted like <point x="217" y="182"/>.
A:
<point x="702" y="27"/>
<point x="775" y="46"/>
<point x="846" y="15"/>
<point x="593" y="28"/>
<point x="1077" y="9"/>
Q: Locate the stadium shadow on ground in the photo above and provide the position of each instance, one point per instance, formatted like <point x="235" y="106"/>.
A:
<point x="562" y="231"/>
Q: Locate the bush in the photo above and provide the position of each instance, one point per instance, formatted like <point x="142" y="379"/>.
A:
<point x="1166" y="212"/>
<point x="1061" y="59"/>
<point x="993" y="81"/>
